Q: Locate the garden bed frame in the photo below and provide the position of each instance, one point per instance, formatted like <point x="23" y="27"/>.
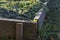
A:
<point x="22" y="29"/>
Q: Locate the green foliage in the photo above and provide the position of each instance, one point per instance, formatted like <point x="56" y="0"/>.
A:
<point x="29" y="8"/>
<point x="49" y="30"/>
<point x="52" y="22"/>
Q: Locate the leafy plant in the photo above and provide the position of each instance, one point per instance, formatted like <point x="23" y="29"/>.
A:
<point x="26" y="8"/>
<point x="48" y="31"/>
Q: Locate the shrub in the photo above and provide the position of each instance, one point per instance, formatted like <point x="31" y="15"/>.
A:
<point x="26" y="8"/>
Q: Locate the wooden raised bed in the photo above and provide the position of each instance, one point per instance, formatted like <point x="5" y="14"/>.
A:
<point x="12" y="29"/>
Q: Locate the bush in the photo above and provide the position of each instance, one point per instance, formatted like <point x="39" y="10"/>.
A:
<point x="26" y="8"/>
<point x="49" y="31"/>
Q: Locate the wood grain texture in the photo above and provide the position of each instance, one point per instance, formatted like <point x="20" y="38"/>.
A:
<point x="30" y="30"/>
<point x="19" y="31"/>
